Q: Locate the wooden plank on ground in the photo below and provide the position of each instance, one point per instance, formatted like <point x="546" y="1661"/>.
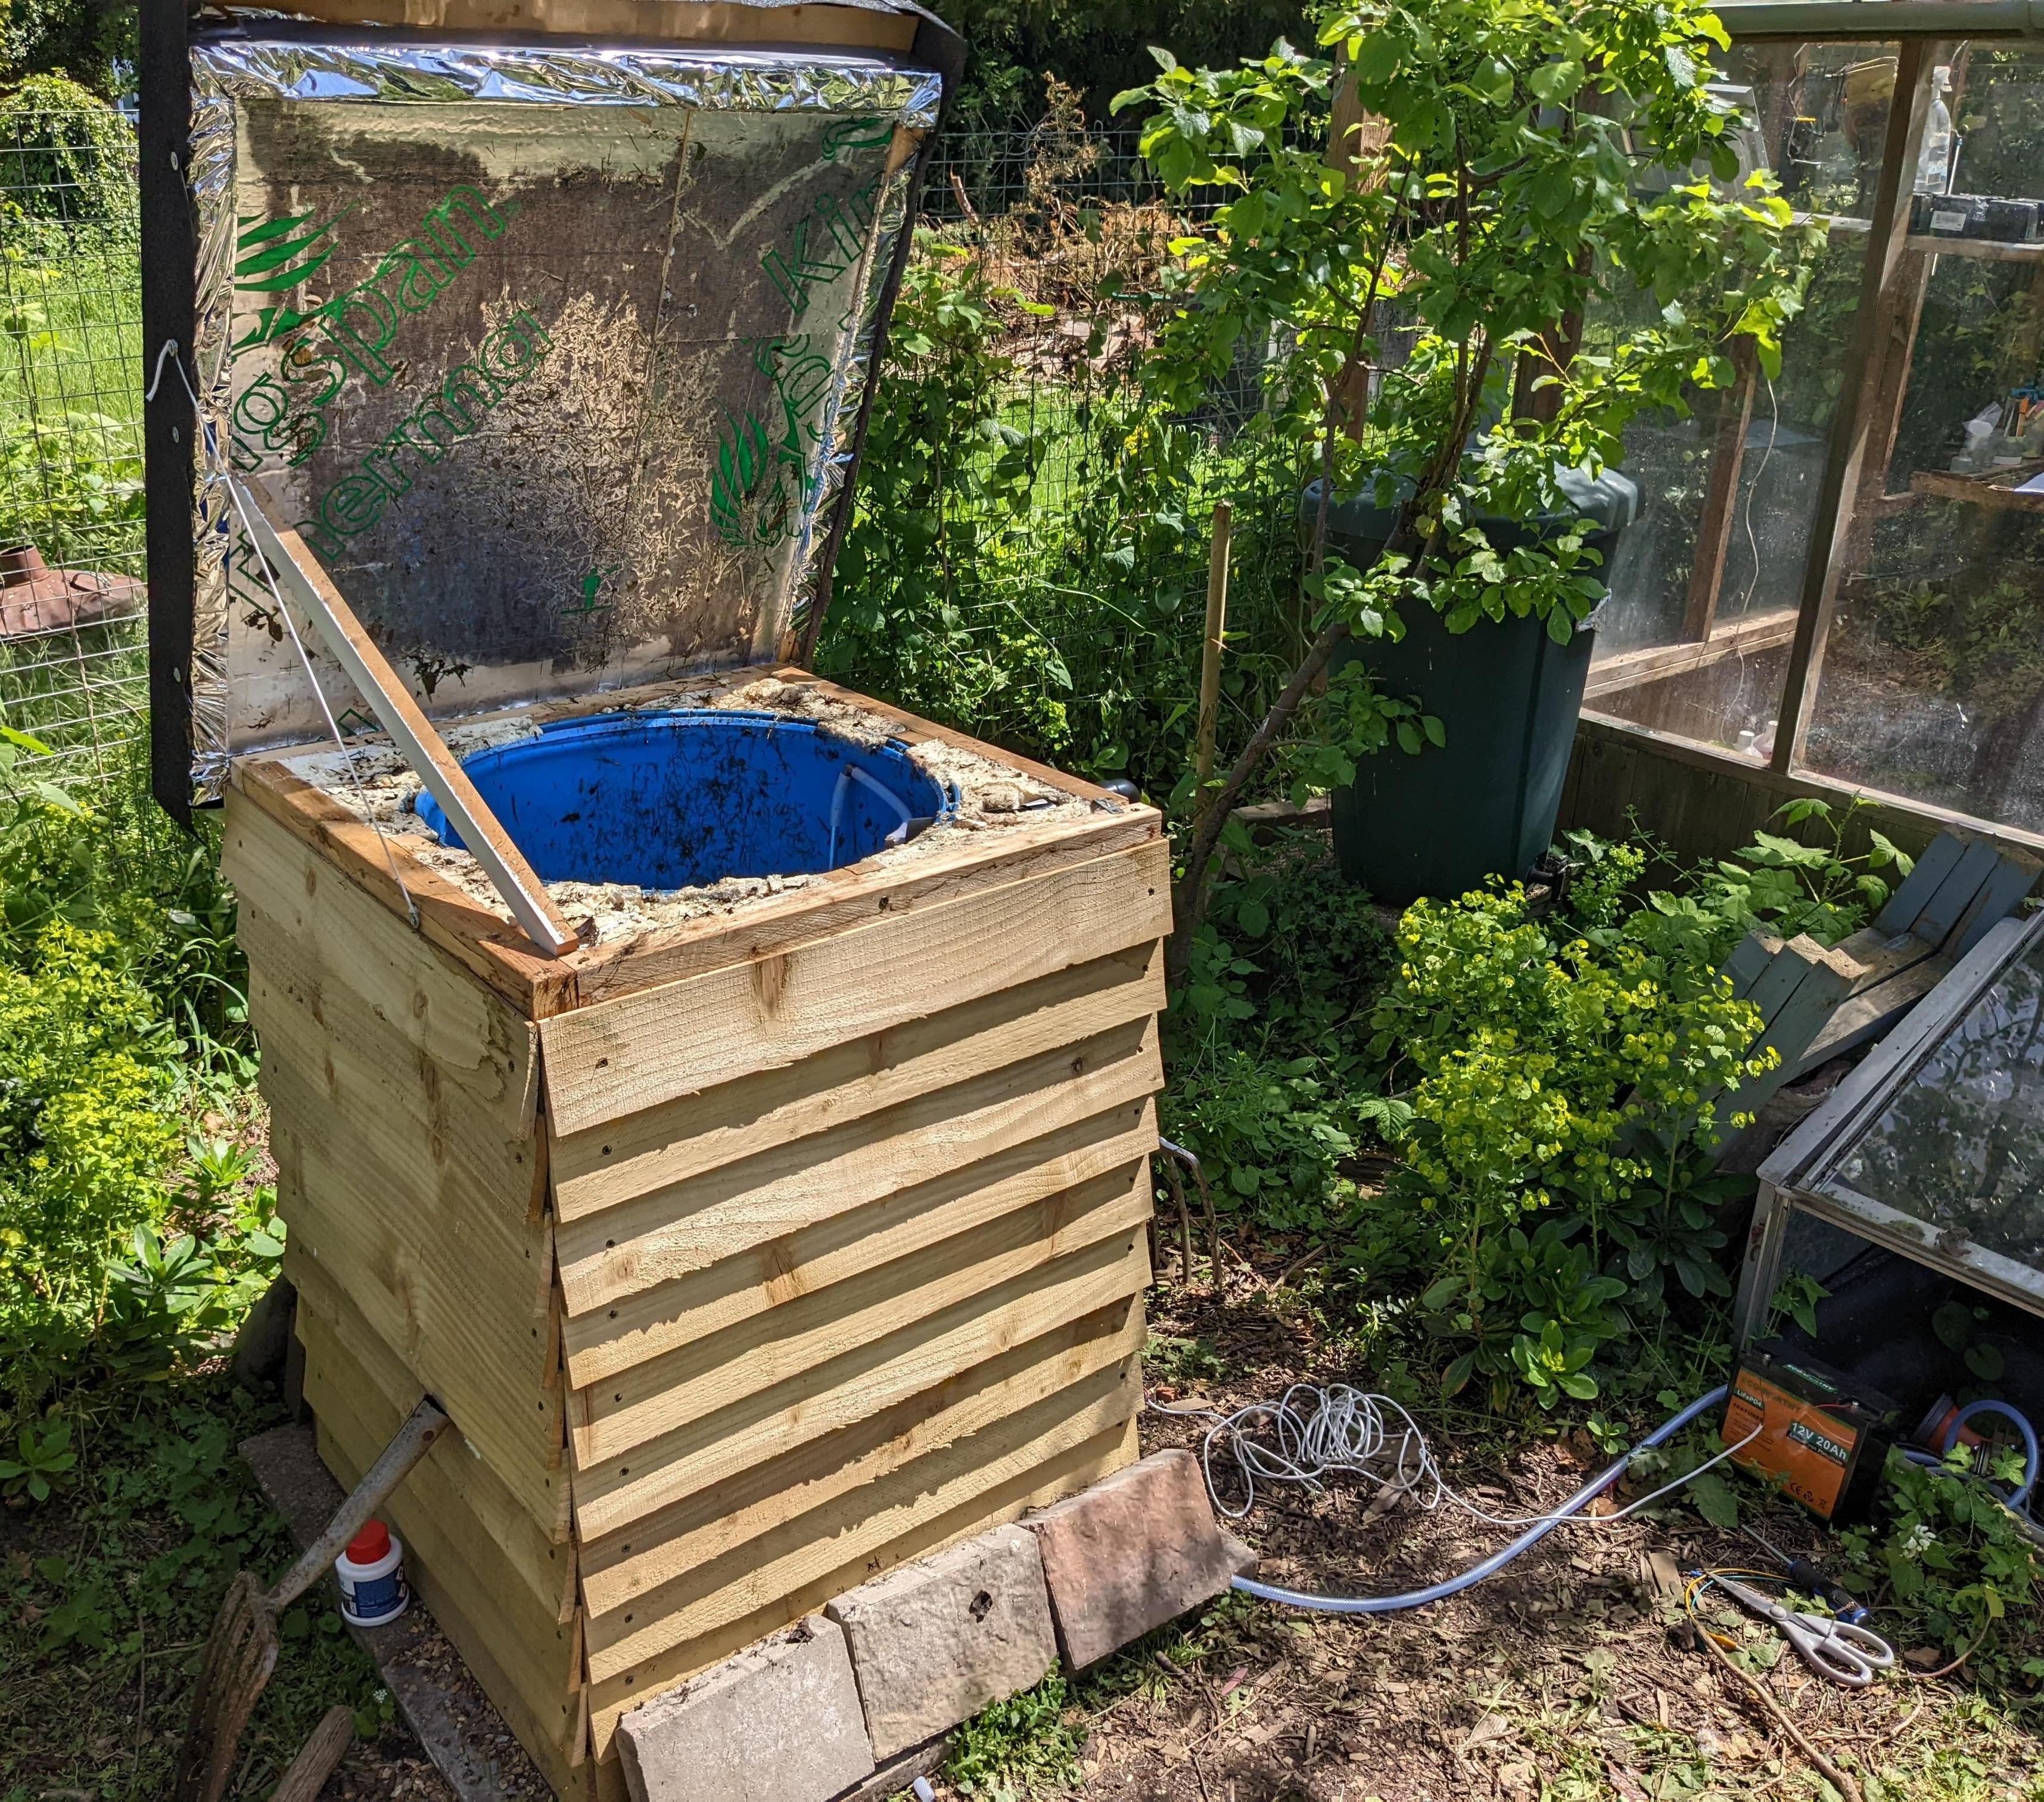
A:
<point x="622" y="1159"/>
<point x="1079" y="1469"/>
<point x="618" y="1570"/>
<point x="807" y="1333"/>
<point x="531" y="1664"/>
<point x="799" y="1264"/>
<point x="1942" y="912"/>
<point x="652" y="1240"/>
<point x="856" y="1386"/>
<point x="1870" y="1012"/>
<point x="1818" y="981"/>
<point x="1749" y="962"/>
<point x="2013" y="876"/>
<point x="1883" y="955"/>
<point x="793" y="1554"/>
<point x="779" y="1010"/>
<point x="1940" y="858"/>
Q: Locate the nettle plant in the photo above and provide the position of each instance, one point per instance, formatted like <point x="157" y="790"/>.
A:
<point x="1521" y="164"/>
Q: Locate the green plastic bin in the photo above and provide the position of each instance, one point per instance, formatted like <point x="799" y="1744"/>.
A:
<point x="1508" y="694"/>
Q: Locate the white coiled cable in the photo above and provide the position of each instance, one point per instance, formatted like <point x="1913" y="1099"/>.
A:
<point x="1310" y="1434"/>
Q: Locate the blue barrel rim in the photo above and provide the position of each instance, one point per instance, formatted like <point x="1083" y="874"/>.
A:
<point x="618" y="722"/>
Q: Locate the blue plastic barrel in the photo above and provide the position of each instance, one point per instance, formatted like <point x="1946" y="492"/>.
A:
<point x="677" y="797"/>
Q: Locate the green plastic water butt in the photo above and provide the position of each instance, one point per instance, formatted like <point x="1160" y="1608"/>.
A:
<point x="1484" y="804"/>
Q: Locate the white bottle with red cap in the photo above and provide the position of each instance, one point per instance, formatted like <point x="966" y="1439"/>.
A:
<point x="373" y="1590"/>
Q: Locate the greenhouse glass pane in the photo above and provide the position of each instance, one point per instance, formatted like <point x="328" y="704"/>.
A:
<point x="1961" y="1145"/>
<point x="1932" y="685"/>
<point x="1704" y="587"/>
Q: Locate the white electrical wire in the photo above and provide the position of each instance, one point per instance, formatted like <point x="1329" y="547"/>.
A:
<point x="1313" y="1433"/>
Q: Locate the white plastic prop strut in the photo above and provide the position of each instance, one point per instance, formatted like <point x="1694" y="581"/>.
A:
<point x="424" y="749"/>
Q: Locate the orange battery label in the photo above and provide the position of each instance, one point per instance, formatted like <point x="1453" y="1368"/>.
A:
<point x="1810" y="1452"/>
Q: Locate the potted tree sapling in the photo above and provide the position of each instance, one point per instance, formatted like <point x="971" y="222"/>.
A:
<point x="1507" y="168"/>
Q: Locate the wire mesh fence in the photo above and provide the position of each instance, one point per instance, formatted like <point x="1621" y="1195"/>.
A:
<point x="72" y="655"/>
<point x="1098" y="562"/>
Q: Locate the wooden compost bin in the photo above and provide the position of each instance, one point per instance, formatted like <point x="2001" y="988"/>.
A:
<point x="751" y="1256"/>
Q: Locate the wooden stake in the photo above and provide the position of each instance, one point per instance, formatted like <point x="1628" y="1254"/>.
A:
<point x="1211" y="651"/>
<point x="424" y="749"/>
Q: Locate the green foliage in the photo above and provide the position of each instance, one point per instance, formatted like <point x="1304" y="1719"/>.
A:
<point x="121" y="1003"/>
<point x="1786" y="887"/>
<point x="945" y="492"/>
<point x="1955" y="1561"/>
<point x="43" y="1459"/>
<point x="60" y="488"/>
<point x="1505" y="197"/>
<point x="86" y="1134"/>
<point x="1267" y="1044"/>
<point x="1504" y="200"/>
<point x="70" y="155"/>
<point x="1564" y="1076"/>
<point x="1018" y="1747"/>
<point x="1025" y="554"/>
<point x="159" y="1513"/>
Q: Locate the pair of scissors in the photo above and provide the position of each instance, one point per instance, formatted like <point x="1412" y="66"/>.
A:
<point x="1841" y="1651"/>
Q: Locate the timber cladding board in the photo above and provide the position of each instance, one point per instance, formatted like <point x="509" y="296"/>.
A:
<point x="787" y="1557"/>
<point x="779" y="1009"/>
<point x="608" y="1419"/>
<point x="608" y="1258"/>
<point x="845" y="1244"/>
<point x="710" y="1449"/>
<point x="546" y="1565"/>
<point x="1032" y="1488"/>
<point x="627" y="1158"/>
<point x="470" y="1583"/>
<point x="618" y="1570"/>
<point x="381" y="1183"/>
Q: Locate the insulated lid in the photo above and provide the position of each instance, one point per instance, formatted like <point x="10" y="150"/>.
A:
<point x="553" y="349"/>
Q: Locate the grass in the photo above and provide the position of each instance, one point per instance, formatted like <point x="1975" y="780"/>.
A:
<point x="108" y="1594"/>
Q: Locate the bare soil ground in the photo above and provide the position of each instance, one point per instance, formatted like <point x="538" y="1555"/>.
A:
<point x="1569" y="1677"/>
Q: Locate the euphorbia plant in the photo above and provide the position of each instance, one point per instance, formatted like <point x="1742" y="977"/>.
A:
<point x="1521" y="164"/>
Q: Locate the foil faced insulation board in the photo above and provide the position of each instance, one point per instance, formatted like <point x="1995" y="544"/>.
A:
<point x="554" y="353"/>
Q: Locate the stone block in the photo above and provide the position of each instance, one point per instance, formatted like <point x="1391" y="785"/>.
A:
<point x="780" y="1721"/>
<point x="1131" y="1552"/>
<point x="933" y="1641"/>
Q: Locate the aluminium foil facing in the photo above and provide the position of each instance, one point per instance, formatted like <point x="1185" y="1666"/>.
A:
<point x="554" y="353"/>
